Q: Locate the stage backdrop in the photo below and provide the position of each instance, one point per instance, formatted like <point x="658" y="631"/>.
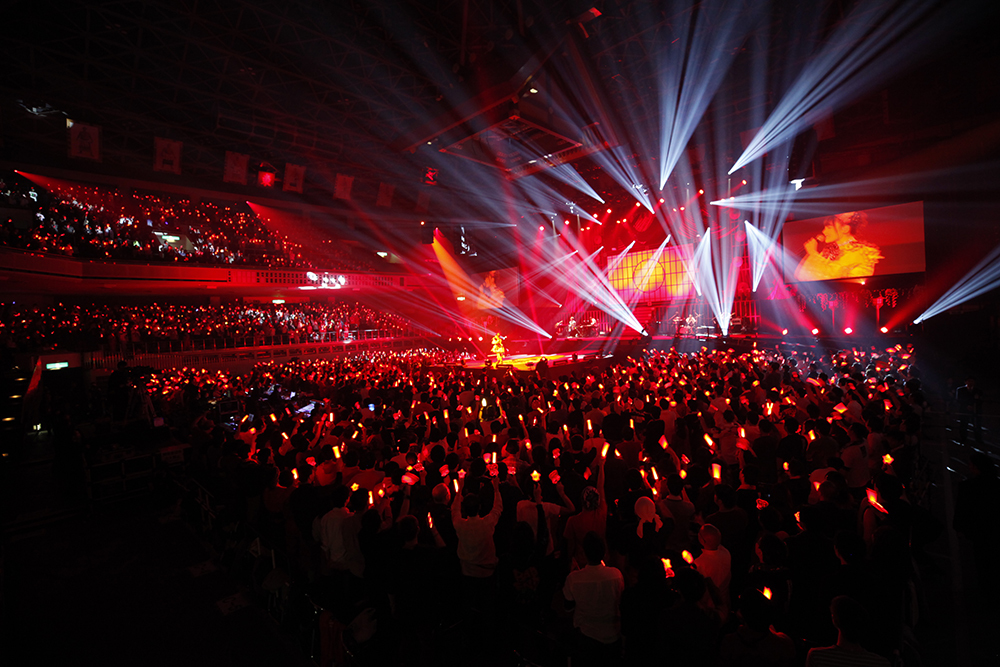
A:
<point x="638" y="278"/>
<point x="891" y="242"/>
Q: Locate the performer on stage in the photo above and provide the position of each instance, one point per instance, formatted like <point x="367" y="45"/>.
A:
<point x="498" y="348"/>
<point x="836" y="253"/>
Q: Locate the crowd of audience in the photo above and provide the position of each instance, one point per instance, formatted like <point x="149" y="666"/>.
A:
<point x="100" y="223"/>
<point x="128" y="329"/>
<point x="699" y="509"/>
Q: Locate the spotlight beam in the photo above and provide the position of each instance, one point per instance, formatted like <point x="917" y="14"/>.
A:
<point x="873" y="43"/>
<point x="983" y="278"/>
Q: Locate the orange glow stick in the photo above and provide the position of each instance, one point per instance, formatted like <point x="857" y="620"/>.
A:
<point x="887" y="459"/>
<point x="872" y="495"/>
<point x="767" y="592"/>
<point x="716" y="471"/>
<point x="686" y="555"/>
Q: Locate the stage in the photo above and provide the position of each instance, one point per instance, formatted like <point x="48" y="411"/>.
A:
<point x="567" y="354"/>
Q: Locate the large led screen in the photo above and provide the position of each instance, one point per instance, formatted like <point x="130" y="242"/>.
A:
<point x="496" y="289"/>
<point x="856" y="244"/>
<point x="643" y="275"/>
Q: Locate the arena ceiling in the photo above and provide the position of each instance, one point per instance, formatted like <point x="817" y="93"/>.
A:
<point x="376" y="89"/>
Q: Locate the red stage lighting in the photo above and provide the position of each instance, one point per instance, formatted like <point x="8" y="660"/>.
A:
<point x="815" y="332"/>
<point x="265" y="178"/>
<point x="565" y="222"/>
<point x="701" y="192"/>
<point x="884" y="330"/>
<point x="609" y="210"/>
<point x="541" y="228"/>
<point x="784" y="332"/>
<point x="848" y="330"/>
<point x="661" y="201"/>
<point x="744" y="182"/>
<point x="637" y="204"/>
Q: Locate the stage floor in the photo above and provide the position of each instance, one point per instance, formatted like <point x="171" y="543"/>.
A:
<point x="527" y="362"/>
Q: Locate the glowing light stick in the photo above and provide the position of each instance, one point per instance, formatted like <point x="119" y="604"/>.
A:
<point x="872" y="495"/>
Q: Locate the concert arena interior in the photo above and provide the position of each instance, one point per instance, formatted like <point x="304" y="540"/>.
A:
<point x="500" y="332"/>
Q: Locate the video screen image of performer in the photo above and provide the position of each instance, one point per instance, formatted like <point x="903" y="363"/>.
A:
<point x="836" y="252"/>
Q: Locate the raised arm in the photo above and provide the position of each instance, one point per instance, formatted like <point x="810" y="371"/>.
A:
<point x="568" y="507"/>
<point x="456" y="501"/>
<point x="600" y="481"/>
<point x="494" y="514"/>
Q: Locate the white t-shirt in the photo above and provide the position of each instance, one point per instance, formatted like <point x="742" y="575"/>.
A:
<point x="716" y="565"/>
<point x="597" y="592"/>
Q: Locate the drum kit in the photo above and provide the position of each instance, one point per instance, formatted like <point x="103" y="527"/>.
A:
<point x="574" y="329"/>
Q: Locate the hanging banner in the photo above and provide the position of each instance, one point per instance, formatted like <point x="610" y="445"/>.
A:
<point x="168" y="156"/>
<point x="236" y="168"/>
